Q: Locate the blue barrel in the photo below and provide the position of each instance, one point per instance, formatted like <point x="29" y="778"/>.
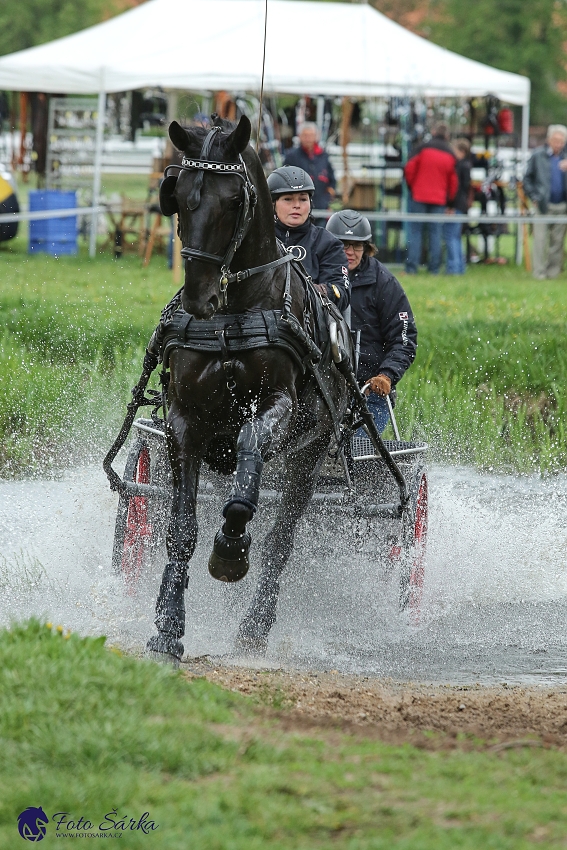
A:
<point x="55" y="236"/>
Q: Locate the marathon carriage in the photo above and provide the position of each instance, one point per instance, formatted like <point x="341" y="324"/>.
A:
<point x="356" y="484"/>
<point x="256" y="367"/>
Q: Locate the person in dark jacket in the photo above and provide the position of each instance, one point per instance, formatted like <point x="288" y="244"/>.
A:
<point x="381" y="312"/>
<point x="320" y="252"/>
<point x="432" y="180"/>
<point x="458" y="207"/>
<point x="545" y="183"/>
<point x="315" y="161"/>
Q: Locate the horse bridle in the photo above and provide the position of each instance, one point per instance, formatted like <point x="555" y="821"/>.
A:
<point x="243" y="221"/>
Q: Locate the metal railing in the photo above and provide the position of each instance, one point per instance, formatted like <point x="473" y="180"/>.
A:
<point x="446" y="218"/>
<point x="26" y="215"/>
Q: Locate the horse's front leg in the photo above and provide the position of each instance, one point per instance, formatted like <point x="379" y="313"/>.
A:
<point x="181" y="542"/>
<point x="229" y="558"/>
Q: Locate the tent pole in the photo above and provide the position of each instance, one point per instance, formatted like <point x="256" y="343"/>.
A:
<point x="524" y="153"/>
<point x="101" y="114"/>
<point x="172" y="110"/>
<point x="347" y="108"/>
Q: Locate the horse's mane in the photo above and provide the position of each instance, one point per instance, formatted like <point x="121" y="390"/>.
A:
<point x="197" y="133"/>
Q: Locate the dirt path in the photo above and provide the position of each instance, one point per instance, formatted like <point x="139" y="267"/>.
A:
<point x="500" y="716"/>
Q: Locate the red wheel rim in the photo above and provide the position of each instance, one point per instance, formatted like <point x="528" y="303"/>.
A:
<point x="420" y="540"/>
<point x="138" y="528"/>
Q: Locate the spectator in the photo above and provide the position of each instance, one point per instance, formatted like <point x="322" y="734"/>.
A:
<point x="381" y="312"/>
<point x="432" y="180"/>
<point x="313" y="159"/>
<point x="545" y="185"/>
<point x="452" y="231"/>
<point x="321" y="253"/>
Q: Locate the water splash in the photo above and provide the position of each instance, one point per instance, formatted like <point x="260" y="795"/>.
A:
<point x="495" y="596"/>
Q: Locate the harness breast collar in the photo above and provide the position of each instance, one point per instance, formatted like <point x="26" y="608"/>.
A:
<point x="243" y="221"/>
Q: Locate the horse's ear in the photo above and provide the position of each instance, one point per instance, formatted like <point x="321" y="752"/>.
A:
<point x="178" y="136"/>
<point x="167" y="200"/>
<point x="239" y="138"/>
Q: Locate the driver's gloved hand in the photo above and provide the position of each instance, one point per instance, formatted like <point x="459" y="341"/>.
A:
<point x="381" y="385"/>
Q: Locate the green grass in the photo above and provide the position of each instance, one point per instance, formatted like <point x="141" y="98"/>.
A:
<point x="74" y="333"/>
<point x="85" y="731"/>
<point x="487" y="386"/>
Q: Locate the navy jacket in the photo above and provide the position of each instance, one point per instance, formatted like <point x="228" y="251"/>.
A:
<point x="325" y="260"/>
<point x="381" y="311"/>
<point x="319" y="169"/>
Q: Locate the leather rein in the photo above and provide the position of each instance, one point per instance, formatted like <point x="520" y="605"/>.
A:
<point x="244" y="218"/>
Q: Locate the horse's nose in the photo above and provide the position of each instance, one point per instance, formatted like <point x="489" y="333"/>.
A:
<point x="208" y="309"/>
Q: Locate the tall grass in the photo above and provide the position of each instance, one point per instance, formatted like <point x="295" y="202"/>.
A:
<point x="487" y="386"/>
<point x="74" y="333"/>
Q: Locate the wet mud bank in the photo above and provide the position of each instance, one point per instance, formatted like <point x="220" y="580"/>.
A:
<point x="430" y="716"/>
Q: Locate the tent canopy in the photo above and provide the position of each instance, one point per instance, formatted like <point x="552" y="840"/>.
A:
<point x="207" y="45"/>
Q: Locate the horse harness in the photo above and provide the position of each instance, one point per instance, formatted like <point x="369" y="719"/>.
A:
<point x="227" y="334"/>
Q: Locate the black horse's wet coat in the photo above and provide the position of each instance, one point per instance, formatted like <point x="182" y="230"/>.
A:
<point x="254" y="374"/>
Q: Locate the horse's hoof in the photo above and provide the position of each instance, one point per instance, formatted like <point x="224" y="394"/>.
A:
<point x="163" y="658"/>
<point x="229" y="558"/>
<point x="164" y="648"/>
<point x="245" y="645"/>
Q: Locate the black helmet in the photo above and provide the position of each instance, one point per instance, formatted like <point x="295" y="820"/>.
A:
<point x="288" y="179"/>
<point x="350" y="226"/>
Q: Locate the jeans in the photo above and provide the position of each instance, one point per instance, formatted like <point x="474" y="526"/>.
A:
<point x="378" y="407"/>
<point x="415" y="230"/>
<point x="453" y="241"/>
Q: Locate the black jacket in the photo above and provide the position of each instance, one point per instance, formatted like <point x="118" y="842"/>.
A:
<point x="319" y="169"/>
<point x="325" y="260"/>
<point x="461" y="201"/>
<point x="381" y="311"/>
<point x="537" y="179"/>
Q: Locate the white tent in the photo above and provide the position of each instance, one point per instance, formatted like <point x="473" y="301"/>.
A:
<point x="311" y="48"/>
<point x="206" y="45"/>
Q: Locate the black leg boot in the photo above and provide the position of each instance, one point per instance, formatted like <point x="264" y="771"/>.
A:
<point x="170" y="612"/>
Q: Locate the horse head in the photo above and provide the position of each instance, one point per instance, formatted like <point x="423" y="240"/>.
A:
<point x="215" y="199"/>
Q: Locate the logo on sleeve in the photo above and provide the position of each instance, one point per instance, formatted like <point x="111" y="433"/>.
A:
<point x="403" y="317"/>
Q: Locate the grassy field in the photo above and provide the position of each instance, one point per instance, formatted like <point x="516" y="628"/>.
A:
<point x="487" y="386"/>
<point x="89" y="733"/>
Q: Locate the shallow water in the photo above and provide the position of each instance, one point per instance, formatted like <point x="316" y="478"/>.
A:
<point x="494" y="608"/>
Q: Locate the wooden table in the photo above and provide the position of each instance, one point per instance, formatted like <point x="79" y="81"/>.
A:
<point x="129" y="219"/>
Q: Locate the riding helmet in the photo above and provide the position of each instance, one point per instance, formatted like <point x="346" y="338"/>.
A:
<point x="288" y="179"/>
<point x="350" y="226"/>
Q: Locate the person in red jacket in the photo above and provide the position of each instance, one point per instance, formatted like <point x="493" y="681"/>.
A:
<point x="432" y="180"/>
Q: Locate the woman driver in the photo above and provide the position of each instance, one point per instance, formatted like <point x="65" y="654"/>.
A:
<point x="320" y="252"/>
<point x="380" y="310"/>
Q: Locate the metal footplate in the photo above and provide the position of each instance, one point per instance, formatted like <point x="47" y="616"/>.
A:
<point x="362" y="448"/>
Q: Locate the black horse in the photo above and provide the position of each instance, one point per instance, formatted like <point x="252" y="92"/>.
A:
<point x="251" y="372"/>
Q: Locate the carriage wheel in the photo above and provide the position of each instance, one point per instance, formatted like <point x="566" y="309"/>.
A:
<point x="133" y="530"/>
<point x="412" y="551"/>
